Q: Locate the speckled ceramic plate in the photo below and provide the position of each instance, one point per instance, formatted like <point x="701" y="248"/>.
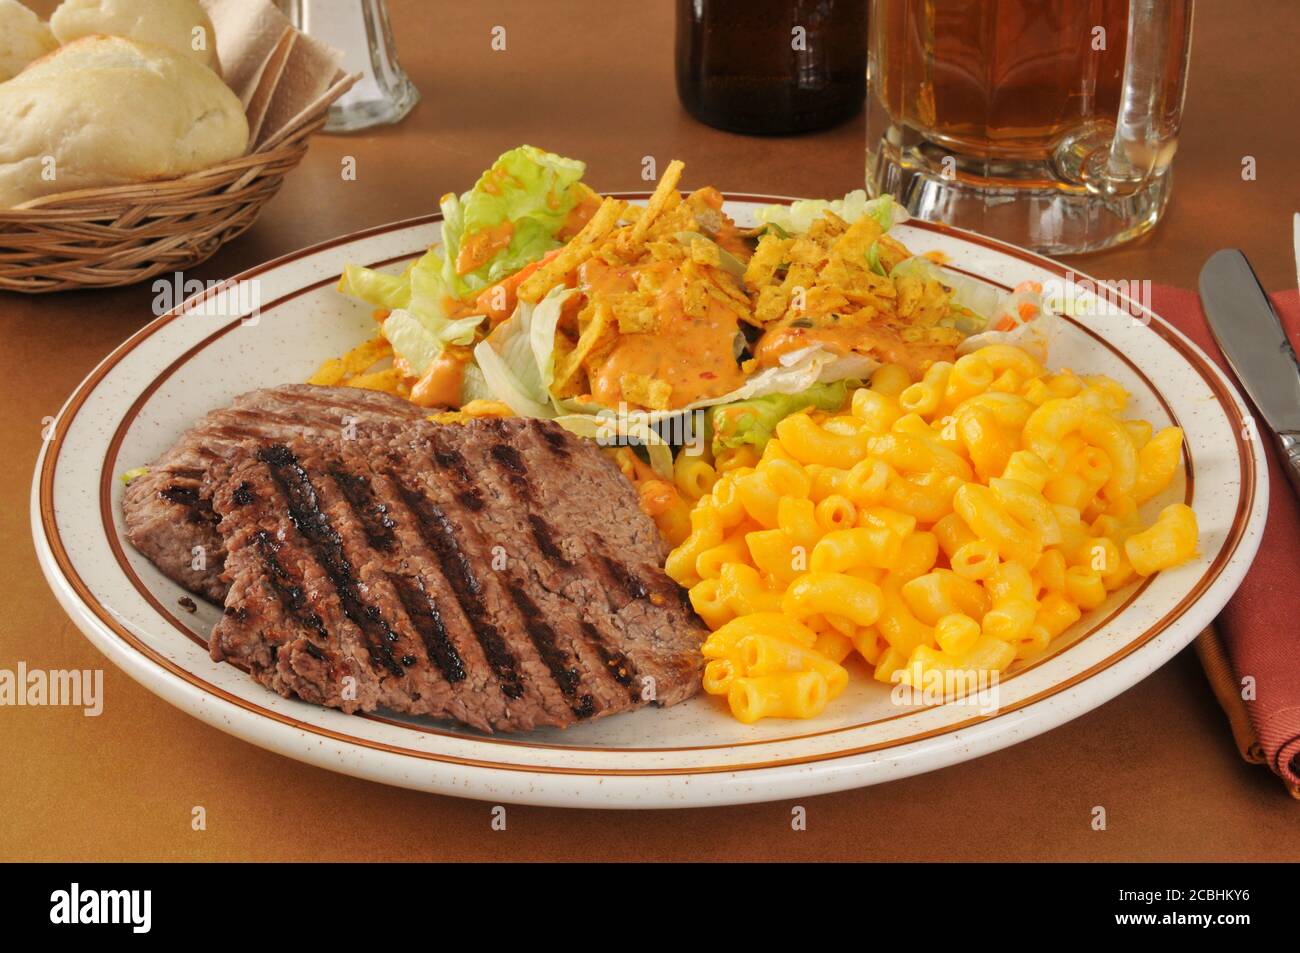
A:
<point x="201" y="354"/>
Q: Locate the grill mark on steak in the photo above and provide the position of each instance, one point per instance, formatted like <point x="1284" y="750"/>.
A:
<point x="327" y="549"/>
<point x="613" y="663"/>
<point x="555" y="441"/>
<point x="623" y="577"/>
<point x="512" y="463"/>
<point x="448" y="458"/>
<point x="375" y="519"/>
<point x="510" y="458"/>
<point x="439" y="535"/>
<point x="558" y="663"/>
<point x="548" y="646"/>
<point x="292" y="600"/>
<point x="285" y="586"/>
<point x="425" y="615"/>
<point x="543" y="535"/>
<point x="618" y="665"/>
<point x="198" y="509"/>
<point x="166" y="528"/>
<point x="578" y="645"/>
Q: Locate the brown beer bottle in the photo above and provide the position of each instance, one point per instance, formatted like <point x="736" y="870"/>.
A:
<point x="771" y="67"/>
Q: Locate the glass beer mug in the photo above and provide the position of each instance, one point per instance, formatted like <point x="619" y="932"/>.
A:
<point x="1047" y="123"/>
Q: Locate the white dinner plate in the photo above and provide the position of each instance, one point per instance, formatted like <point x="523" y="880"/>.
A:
<point x="201" y="354"/>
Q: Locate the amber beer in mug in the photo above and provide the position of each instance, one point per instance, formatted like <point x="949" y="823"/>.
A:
<point x="1048" y="123"/>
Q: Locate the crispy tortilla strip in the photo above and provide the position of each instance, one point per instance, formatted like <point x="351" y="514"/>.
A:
<point x="597" y="337"/>
<point x="635" y="313"/>
<point x="650" y="281"/>
<point x="361" y="358"/>
<point x="695" y="298"/>
<point x="583" y="245"/>
<point x="742" y="311"/>
<point x="853" y="246"/>
<point x="705" y="252"/>
<point x="727" y="285"/>
<point x="772" y="302"/>
<point x="388" y="380"/>
<point x="767" y="258"/>
<point x="799" y="276"/>
<point x="666" y="188"/>
<point x="473" y="410"/>
<point x="823" y="300"/>
<point x="666" y="251"/>
<point x="890" y="252"/>
<point x="577" y="381"/>
<point x="676" y="217"/>
<point x="805" y="251"/>
<point x="652" y="393"/>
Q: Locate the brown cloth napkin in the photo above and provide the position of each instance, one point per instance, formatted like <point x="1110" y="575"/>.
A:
<point x="1256" y="635"/>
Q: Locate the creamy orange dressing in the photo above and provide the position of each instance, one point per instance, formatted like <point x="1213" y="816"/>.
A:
<point x="695" y="355"/>
<point x="478" y="249"/>
<point x="441" y="383"/>
<point x="885" y="344"/>
<point x="579" y="215"/>
<point x="728" y="235"/>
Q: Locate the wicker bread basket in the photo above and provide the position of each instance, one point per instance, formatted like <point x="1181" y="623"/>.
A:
<point x="117" y="235"/>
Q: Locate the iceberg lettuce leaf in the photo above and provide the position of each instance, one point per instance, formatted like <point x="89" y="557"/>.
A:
<point x="518" y="358"/>
<point x="753" y="421"/>
<point x="420" y="330"/>
<point x="376" y="288"/>
<point x="798" y="216"/>
<point x="509" y="218"/>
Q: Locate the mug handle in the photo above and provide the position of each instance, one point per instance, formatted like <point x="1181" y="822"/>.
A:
<point x="1146" y="129"/>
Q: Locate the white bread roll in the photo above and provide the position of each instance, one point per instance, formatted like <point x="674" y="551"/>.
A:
<point x="169" y="23"/>
<point x="23" y="38"/>
<point x="107" y="111"/>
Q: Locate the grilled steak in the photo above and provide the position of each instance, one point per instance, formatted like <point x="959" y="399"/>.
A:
<point x="499" y="573"/>
<point x="168" y="511"/>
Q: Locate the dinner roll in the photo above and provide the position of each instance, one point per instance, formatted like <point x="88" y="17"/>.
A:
<point x="105" y="111"/>
<point x="179" y="25"/>
<point x="23" y="38"/>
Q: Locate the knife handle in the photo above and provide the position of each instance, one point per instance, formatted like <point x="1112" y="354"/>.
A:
<point x="1289" y="444"/>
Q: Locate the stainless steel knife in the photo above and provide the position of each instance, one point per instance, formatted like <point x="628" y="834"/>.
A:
<point x="1251" y="337"/>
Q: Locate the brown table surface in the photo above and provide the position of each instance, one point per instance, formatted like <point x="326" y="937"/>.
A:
<point x="594" y="80"/>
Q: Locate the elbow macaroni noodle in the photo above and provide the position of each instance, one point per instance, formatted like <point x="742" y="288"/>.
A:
<point x="958" y="522"/>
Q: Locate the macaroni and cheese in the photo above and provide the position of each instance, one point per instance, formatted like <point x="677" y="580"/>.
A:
<point x="960" y="521"/>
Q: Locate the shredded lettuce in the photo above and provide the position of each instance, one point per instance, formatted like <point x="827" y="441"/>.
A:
<point x="411" y="341"/>
<point x="517" y="364"/>
<point x="1034" y="334"/>
<point x="530" y="193"/>
<point x="420" y="330"/>
<point x="527" y="194"/>
<point x="474" y="385"/>
<point x="376" y="287"/>
<point x="518" y="358"/>
<point x="797" y="217"/>
<point x="753" y="421"/>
